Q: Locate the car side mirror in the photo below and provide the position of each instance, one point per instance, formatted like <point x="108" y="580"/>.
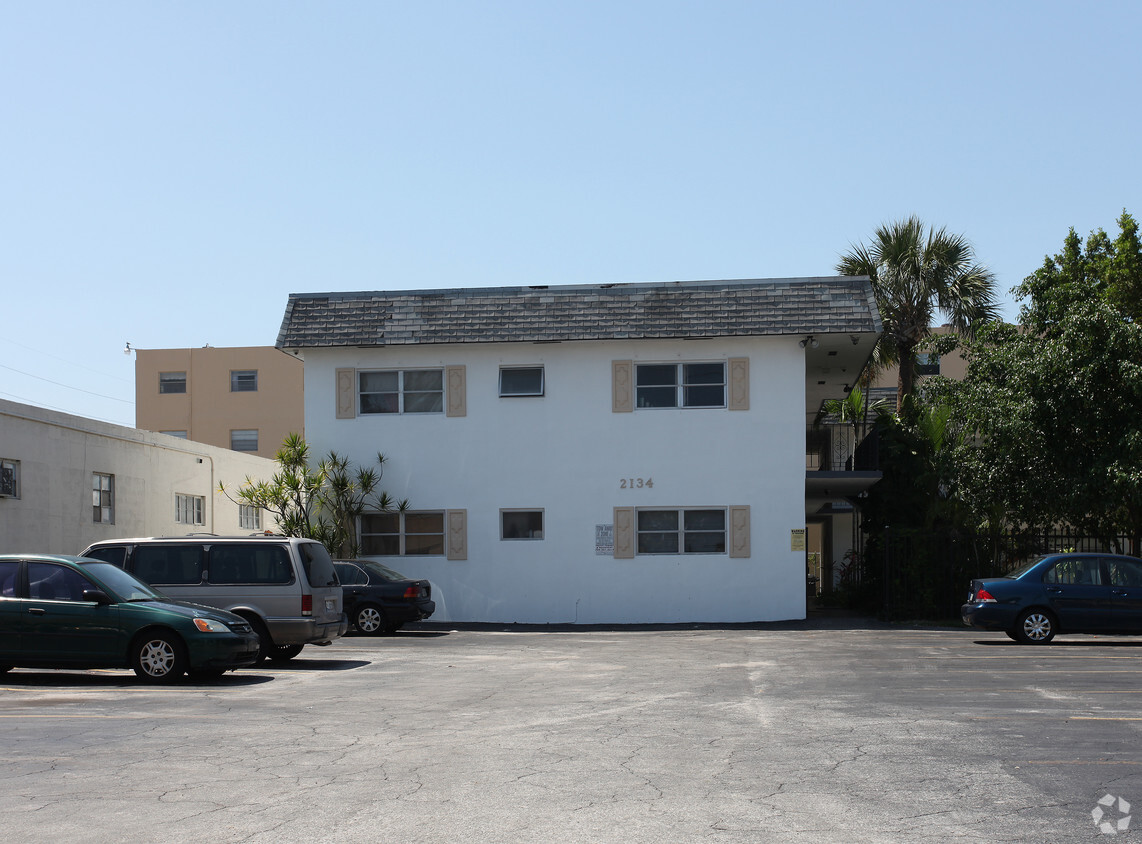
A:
<point x="98" y="596"/>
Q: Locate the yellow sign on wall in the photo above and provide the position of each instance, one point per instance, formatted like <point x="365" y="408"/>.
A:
<point x="797" y="539"/>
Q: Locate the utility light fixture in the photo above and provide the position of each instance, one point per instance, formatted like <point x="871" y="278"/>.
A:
<point x="810" y="341"/>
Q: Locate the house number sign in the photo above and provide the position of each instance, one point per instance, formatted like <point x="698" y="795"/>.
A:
<point x="636" y="483"/>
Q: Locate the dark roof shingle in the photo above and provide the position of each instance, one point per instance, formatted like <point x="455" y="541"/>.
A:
<point x="829" y="305"/>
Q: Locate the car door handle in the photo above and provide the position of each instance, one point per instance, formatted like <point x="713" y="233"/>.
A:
<point x="1121" y="593"/>
<point x="1054" y="590"/>
<point x="37" y="610"/>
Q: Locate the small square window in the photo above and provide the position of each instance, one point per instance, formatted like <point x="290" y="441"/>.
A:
<point x="927" y="363"/>
<point x="244" y="439"/>
<point x="172" y="382"/>
<point x="521" y="524"/>
<point x="243" y="380"/>
<point x="521" y="381"/>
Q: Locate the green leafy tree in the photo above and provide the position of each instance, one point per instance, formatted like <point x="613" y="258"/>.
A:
<point x="915" y="273"/>
<point x="1054" y="408"/>
<point x="1107" y="269"/>
<point x="321" y="502"/>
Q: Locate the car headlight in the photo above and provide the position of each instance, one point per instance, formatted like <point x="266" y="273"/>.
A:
<point x="209" y="625"/>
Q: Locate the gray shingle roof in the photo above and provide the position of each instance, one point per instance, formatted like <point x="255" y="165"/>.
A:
<point x="830" y="305"/>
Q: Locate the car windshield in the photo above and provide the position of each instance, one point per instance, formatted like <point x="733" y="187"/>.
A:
<point x="1026" y="567"/>
<point x="383" y="571"/>
<point x="126" y="586"/>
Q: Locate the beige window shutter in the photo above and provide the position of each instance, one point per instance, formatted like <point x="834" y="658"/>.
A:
<point x="624" y="533"/>
<point x="457" y="534"/>
<point x="346" y="380"/>
<point x="622" y="386"/>
<point x="739" y="531"/>
<point x="739" y="384"/>
<point x="457" y="379"/>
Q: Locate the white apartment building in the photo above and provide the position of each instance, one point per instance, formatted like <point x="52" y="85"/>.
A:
<point x="590" y="454"/>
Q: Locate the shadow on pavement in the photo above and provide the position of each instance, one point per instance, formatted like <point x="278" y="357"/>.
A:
<point x="107" y="679"/>
<point x="1056" y="643"/>
<point x="404" y="633"/>
<point x="311" y="665"/>
<point x="815" y="619"/>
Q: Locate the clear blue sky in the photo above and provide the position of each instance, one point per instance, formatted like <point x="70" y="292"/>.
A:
<point x="170" y="172"/>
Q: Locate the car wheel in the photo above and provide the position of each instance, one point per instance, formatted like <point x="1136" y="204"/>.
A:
<point x="370" y="620"/>
<point x="158" y="658"/>
<point x="1035" y="627"/>
<point x="283" y="653"/>
<point x="265" y="643"/>
<point x="1011" y="635"/>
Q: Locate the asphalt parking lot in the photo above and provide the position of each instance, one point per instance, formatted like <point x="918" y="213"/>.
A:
<point x="834" y="732"/>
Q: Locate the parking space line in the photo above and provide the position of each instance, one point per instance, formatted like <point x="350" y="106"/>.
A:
<point x="1080" y="762"/>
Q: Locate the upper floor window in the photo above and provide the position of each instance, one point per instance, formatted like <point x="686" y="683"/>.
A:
<point x="402" y="391"/>
<point x="172" y="382"/>
<point x="680" y="385"/>
<point x="521" y="381"/>
<point x="189" y="509"/>
<point x="244" y="439"/>
<point x="10" y="478"/>
<point x="927" y="363"/>
<point x="681" y="531"/>
<point x="102" y="498"/>
<point x="243" y="380"/>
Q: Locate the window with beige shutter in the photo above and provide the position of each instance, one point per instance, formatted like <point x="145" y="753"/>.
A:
<point x="622" y="386"/>
<point x="346" y="381"/>
<point x="739" y="384"/>
<point x="457" y="535"/>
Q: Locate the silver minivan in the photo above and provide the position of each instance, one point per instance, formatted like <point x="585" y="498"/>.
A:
<point x="284" y="586"/>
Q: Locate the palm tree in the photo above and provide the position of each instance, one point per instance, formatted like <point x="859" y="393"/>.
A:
<point x="915" y="273"/>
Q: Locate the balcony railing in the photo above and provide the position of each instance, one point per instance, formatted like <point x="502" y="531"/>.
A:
<point x="835" y="448"/>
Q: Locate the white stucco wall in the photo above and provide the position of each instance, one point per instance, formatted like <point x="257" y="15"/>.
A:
<point x="58" y="453"/>
<point x="567" y="453"/>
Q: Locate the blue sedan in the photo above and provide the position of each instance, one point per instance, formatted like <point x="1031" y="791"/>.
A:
<point x="1060" y="593"/>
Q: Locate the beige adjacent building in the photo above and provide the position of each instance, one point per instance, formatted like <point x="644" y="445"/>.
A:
<point x="67" y="481"/>
<point x="246" y="398"/>
<point x="951" y="366"/>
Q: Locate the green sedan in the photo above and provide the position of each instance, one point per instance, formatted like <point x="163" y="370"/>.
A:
<point x="71" y="612"/>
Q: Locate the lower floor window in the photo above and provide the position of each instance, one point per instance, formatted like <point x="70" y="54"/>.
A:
<point x="249" y="517"/>
<point x="681" y="531"/>
<point x="521" y="524"/>
<point x="189" y="509"/>
<point x="402" y="534"/>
